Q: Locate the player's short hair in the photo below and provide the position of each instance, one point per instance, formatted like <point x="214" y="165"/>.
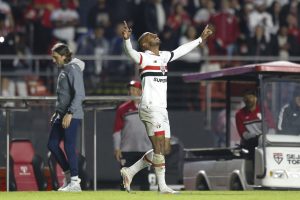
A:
<point x="141" y="39"/>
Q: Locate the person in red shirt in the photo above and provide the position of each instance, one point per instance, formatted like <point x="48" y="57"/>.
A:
<point x="249" y="121"/>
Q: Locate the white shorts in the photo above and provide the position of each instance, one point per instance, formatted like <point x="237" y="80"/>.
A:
<point x="156" y="121"/>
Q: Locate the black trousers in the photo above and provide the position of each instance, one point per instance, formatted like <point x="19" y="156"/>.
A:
<point x="250" y="145"/>
<point x="140" y="180"/>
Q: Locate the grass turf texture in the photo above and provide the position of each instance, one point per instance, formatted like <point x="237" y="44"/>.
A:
<point x="138" y="195"/>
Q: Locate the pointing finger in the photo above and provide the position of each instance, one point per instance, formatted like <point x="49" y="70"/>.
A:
<point x="125" y="24"/>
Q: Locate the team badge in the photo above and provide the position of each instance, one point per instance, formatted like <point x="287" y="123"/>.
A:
<point x="163" y="69"/>
<point x="278" y="157"/>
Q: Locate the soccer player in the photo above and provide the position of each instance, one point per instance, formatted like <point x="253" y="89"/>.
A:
<point x="68" y="114"/>
<point x="152" y="109"/>
<point x="130" y="137"/>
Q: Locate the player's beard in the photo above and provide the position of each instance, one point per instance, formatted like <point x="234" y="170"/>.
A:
<point x="156" y="43"/>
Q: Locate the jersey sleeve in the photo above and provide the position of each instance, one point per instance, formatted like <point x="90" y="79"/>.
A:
<point x="239" y="124"/>
<point x="184" y="49"/>
<point x="132" y="53"/>
<point x="119" y="123"/>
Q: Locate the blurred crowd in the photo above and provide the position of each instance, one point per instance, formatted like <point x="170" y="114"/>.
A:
<point x="244" y="27"/>
<point x="93" y="28"/>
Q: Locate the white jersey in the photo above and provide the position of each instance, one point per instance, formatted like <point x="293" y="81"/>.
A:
<point x="154" y="70"/>
<point x="153" y="74"/>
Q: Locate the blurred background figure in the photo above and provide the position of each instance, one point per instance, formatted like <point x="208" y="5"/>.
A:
<point x="65" y="21"/>
<point x="93" y="44"/>
<point x="118" y="69"/>
<point x="15" y="44"/>
<point x="100" y="13"/>
<point x="289" y="116"/>
<point x="227" y="31"/>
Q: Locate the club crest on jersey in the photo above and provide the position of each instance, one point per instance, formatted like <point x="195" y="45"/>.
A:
<point x="163" y="69"/>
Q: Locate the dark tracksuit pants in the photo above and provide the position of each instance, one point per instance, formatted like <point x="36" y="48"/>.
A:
<point x="68" y="135"/>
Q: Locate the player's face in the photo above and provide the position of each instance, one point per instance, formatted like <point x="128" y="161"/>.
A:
<point x="152" y="39"/>
<point x="58" y="59"/>
<point x="250" y="101"/>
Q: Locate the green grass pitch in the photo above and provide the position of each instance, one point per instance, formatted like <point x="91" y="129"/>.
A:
<point x="138" y="195"/>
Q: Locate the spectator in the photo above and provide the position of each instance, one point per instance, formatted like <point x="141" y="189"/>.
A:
<point x="155" y="16"/>
<point x="64" y="22"/>
<point x="259" y="16"/>
<point x="203" y="15"/>
<point x="293" y="28"/>
<point x="170" y="38"/>
<point x="100" y="14"/>
<point x="227" y="32"/>
<point x="285" y="44"/>
<point x="292" y="8"/>
<point x="130" y="138"/>
<point x="289" y="116"/>
<point x="122" y="10"/>
<point x="179" y="19"/>
<point x="6" y="10"/>
<point x="94" y="44"/>
<point x="243" y="17"/>
<point x="4" y="30"/>
<point x="15" y="44"/>
<point x="43" y="27"/>
<point x="119" y="69"/>
<point x="258" y="44"/>
<point x="191" y="60"/>
<point x="277" y="18"/>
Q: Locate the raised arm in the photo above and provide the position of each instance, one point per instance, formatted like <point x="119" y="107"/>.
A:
<point x="132" y="53"/>
<point x="186" y="48"/>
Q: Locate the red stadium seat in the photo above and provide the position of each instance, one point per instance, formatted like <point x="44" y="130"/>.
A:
<point x="27" y="168"/>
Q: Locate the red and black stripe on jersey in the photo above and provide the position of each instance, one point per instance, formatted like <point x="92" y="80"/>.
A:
<point x="152" y="71"/>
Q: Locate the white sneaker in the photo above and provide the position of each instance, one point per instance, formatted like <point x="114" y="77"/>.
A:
<point x="73" y="186"/>
<point x="167" y="190"/>
<point x="65" y="184"/>
<point x="126" y="178"/>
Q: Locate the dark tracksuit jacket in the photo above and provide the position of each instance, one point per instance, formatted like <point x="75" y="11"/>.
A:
<point x="289" y="119"/>
<point x="70" y="89"/>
